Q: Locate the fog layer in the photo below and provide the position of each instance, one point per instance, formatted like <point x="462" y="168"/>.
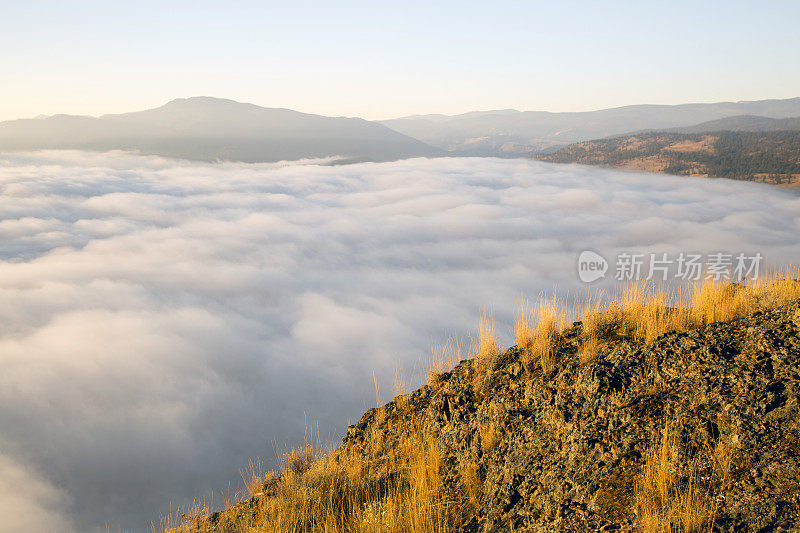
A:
<point x="161" y="322"/>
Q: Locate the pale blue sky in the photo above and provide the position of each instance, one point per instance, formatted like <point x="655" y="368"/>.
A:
<point x="381" y="60"/>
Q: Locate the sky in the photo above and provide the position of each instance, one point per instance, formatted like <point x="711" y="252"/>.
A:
<point x="381" y="60"/>
<point x="163" y="322"/>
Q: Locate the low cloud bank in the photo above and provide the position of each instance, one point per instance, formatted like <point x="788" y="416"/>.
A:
<point x="162" y="322"/>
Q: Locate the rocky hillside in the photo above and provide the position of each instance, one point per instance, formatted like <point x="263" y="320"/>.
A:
<point x="697" y="430"/>
<point x="570" y="445"/>
<point x="770" y="157"/>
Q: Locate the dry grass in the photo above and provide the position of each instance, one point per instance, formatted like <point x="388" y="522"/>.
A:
<point x="718" y="302"/>
<point x="484" y="353"/>
<point x="598" y="325"/>
<point x="489" y="435"/>
<point x="536" y="339"/>
<point x="401" y="399"/>
<point x="722" y="455"/>
<point x="523" y="330"/>
<point x="253" y="477"/>
<point x="589" y="348"/>
<point x="646" y="311"/>
<point x="396" y="492"/>
<point x="442" y="359"/>
<point x="548" y="323"/>
<point x="669" y="498"/>
<point x="471" y="482"/>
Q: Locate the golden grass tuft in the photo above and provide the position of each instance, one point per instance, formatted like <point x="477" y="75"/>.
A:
<point x="489" y="436"/>
<point x="536" y="340"/>
<point x="715" y="301"/>
<point x="647" y="311"/>
<point x="253" y="477"/>
<point x="484" y="353"/>
<point x="779" y="288"/>
<point x="442" y="359"/>
<point x="669" y="500"/>
<point x="471" y="482"/>
<point x="723" y="454"/>
<point x="547" y="325"/>
<point x="598" y="324"/>
<point x="401" y="400"/>
<point x="589" y="348"/>
<point x="338" y="491"/>
<point x="523" y="330"/>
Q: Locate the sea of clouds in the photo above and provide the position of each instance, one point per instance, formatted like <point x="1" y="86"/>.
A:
<point x="162" y="322"/>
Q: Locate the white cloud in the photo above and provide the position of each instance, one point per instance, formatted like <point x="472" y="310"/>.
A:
<point x="28" y="502"/>
<point x="163" y="321"/>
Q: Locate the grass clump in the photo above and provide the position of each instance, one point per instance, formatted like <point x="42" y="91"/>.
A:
<point x="643" y="312"/>
<point x="489" y="436"/>
<point x="536" y="339"/>
<point x="398" y="491"/>
<point x="648" y="311"/>
<point x="670" y="495"/>
<point x="443" y="358"/>
<point x="471" y="481"/>
<point x="715" y="301"/>
<point x="485" y="352"/>
<point x="589" y="348"/>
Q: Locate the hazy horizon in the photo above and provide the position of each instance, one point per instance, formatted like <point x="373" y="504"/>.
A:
<point x="354" y="60"/>
<point x="410" y="115"/>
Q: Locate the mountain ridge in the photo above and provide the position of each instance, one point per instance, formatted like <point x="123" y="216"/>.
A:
<point x="209" y="129"/>
<point x="743" y="123"/>
<point x="527" y="132"/>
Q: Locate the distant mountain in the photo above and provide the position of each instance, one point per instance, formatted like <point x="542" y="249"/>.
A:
<point x="743" y="123"/>
<point x="518" y="133"/>
<point x="204" y="128"/>
<point x="438" y="117"/>
<point x="770" y="156"/>
<point x="209" y="129"/>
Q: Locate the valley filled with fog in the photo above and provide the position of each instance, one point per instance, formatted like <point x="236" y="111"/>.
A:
<point x="164" y="321"/>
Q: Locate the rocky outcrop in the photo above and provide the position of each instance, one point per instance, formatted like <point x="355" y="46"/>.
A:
<point x="563" y="451"/>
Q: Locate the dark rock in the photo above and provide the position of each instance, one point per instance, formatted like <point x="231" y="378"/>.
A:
<point x="571" y="444"/>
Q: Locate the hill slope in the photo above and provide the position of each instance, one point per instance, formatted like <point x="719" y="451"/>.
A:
<point x="770" y="157"/>
<point x="208" y="129"/>
<point x="700" y="427"/>
<point x="742" y="123"/>
<point x="515" y="133"/>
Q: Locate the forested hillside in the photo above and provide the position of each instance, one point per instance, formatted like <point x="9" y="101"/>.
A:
<point x="772" y="157"/>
